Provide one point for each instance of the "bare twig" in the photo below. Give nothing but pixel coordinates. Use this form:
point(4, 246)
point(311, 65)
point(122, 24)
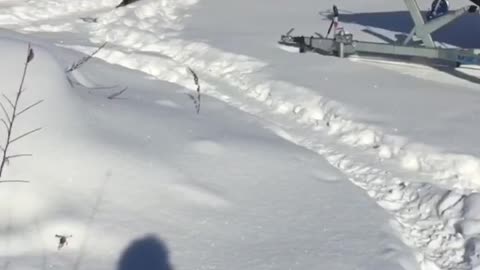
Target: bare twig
point(116, 94)
point(30, 56)
point(16, 156)
point(195, 99)
point(29, 107)
point(85, 59)
point(5, 112)
point(25, 134)
point(4, 123)
point(8, 100)
point(14, 181)
point(12, 116)
point(19, 155)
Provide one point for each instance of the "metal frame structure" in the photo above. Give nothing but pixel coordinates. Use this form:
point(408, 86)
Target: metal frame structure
point(343, 44)
point(423, 30)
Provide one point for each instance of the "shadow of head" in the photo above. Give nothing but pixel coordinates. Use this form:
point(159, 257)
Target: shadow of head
point(147, 253)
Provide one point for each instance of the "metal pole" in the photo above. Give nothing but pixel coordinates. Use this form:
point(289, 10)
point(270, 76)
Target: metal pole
point(341, 51)
point(424, 30)
point(417, 17)
point(440, 22)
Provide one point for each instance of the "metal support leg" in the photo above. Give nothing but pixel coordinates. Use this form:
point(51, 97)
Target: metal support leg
point(419, 23)
point(440, 22)
point(424, 30)
point(409, 37)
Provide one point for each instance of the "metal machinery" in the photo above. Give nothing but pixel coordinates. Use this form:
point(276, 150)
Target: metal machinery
point(342, 43)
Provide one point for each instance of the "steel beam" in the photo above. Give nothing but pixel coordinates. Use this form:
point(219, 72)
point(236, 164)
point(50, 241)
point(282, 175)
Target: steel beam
point(423, 29)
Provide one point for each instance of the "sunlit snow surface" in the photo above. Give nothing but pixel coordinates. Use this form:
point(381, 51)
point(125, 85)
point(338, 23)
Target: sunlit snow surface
point(143, 182)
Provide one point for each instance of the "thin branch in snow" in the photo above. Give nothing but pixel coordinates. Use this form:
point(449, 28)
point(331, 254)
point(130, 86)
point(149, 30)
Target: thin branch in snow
point(195, 99)
point(12, 116)
point(30, 56)
point(4, 123)
point(116, 94)
point(25, 135)
point(85, 59)
point(16, 156)
point(14, 181)
point(8, 100)
point(19, 155)
point(5, 112)
point(29, 107)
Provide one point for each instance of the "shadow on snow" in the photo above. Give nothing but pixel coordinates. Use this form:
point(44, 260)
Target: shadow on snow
point(147, 253)
point(464, 32)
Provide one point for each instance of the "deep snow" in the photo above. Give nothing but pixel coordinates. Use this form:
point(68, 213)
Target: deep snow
point(142, 181)
point(406, 133)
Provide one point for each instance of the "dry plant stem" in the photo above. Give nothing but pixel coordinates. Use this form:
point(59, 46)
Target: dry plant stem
point(196, 100)
point(85, 59)
point(10, 119)
point(117, 94)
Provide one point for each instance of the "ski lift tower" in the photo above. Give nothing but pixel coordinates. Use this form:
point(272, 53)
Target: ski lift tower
point(437, 18)
point(439, 15)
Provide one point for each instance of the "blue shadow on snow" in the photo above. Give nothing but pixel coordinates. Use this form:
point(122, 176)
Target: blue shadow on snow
point(464, 32)
point(147, 253)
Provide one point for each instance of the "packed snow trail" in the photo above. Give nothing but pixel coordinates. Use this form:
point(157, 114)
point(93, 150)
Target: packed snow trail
point(403, 179)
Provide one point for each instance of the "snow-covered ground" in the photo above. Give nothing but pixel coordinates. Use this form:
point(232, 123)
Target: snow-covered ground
point(249, 182)
point(142, 181)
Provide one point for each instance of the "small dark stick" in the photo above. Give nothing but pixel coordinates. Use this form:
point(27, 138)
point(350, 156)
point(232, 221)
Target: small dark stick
point(125, 2)
point(62, 240)
point(116, 94)
point(85, 59)
point(196, 100)
point(30, 54)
